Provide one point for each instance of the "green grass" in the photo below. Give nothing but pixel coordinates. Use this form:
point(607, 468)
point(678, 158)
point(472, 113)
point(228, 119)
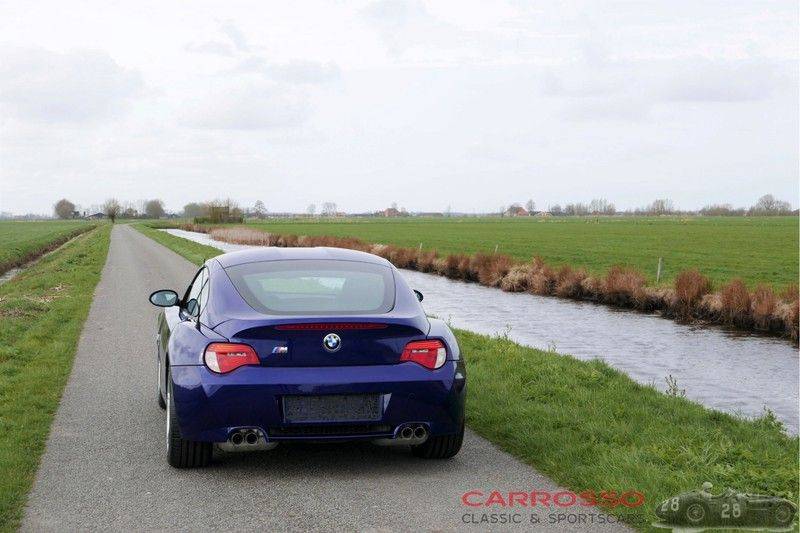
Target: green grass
point(21, 241)
point(42, 312)
point(194, 252)
point(757, 249)
point(590, 427)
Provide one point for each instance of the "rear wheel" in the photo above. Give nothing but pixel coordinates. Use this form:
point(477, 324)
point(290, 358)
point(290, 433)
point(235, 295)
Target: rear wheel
point(784, 514)
point(182, 453)
point(442, 447)
point(696, 513)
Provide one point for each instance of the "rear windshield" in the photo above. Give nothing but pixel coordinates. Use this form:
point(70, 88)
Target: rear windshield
point(314, 287)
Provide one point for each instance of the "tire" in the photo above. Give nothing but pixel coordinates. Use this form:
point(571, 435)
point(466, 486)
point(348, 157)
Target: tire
point(783, 514)
point(696, 513)
point(182, 453)
point(442, 447)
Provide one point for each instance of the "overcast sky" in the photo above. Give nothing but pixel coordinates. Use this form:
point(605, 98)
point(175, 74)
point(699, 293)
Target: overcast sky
point(469, 104)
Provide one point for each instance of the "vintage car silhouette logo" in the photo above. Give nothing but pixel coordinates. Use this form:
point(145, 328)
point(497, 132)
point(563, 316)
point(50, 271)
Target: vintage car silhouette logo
point(701, 509)
point(332, 342)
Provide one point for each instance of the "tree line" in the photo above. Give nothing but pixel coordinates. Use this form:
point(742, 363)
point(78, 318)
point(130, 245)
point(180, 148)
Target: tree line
point(767, 205)
point(229, 211)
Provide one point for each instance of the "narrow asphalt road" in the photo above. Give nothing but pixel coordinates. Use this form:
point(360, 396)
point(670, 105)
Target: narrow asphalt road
point(104, 467)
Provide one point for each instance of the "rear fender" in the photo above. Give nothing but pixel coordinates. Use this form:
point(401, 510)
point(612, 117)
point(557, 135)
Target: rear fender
point(440, 330)
point(187, 343)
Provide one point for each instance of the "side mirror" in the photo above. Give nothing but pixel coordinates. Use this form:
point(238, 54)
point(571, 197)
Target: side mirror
point(164, 298)
point(420, 297)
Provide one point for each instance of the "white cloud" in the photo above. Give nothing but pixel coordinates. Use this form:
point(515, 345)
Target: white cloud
point(76, 86)
point(210, 47)
point(235, 34)
point(245, 104)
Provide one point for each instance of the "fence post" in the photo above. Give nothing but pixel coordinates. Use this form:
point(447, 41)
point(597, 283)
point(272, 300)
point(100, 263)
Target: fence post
point(660, 266)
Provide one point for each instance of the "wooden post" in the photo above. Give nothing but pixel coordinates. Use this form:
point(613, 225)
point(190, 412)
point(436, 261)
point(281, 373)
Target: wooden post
point(660, 266)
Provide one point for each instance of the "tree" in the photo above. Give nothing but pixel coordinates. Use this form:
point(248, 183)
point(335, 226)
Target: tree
point(578, 209)
point(661, 206)
point(222, 211)
point(769, 205)
point(328, 209)
point(64, 208)
point(259, 209)
point(556, 210)
point(530, 205)
point(601, 206)
point(112, 208)
point(194, 209)
point(154, 208)
point(311, 210)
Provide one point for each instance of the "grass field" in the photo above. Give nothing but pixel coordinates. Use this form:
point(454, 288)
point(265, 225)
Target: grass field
point(42, 312)
point(590, 427)
point(21, 241)
point(756, 249)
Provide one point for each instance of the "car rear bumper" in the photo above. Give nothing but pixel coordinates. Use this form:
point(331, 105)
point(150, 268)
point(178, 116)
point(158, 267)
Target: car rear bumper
point(210, 407)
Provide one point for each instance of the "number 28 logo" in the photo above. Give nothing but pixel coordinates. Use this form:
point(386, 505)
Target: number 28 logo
point(730, 510)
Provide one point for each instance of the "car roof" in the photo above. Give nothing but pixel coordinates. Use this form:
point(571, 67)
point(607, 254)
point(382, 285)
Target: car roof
point(273, 253)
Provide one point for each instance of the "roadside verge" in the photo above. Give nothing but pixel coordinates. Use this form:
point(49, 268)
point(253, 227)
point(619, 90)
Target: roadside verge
point(42, 312)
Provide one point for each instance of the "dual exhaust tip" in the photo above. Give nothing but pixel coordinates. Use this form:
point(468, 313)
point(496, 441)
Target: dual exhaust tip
point(412, 434)
point(245, 436)
point(246, 440)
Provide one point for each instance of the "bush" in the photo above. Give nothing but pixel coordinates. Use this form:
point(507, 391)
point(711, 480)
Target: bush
point(490, 269)
point(735, 302)
point(624, 286)
point(763, 304)
point(569, 282)
point(690, 287)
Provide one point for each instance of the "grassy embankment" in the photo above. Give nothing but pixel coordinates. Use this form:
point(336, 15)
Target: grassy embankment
point(590, 427)
point(194, 252)
point(42, 312)
point(22, 241)
point(756, 249)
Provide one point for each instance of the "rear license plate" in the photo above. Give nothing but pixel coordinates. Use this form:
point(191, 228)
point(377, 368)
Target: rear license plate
point(332, 408)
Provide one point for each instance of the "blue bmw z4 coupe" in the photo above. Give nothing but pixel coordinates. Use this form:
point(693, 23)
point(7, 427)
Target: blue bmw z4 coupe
point(304, 344)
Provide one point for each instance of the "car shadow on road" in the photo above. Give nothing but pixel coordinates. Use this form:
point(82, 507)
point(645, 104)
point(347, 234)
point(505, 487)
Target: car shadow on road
point(331, 460)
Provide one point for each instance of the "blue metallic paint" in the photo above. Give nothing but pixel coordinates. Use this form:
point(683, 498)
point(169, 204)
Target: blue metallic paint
point(210, 406)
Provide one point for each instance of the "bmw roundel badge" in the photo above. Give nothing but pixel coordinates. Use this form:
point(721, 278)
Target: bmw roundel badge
point(332, 342)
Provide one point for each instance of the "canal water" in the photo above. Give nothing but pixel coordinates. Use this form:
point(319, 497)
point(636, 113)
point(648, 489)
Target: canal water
point(726, 370)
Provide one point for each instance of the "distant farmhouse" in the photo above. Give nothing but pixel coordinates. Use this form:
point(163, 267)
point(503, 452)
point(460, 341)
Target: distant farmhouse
point(95, 216)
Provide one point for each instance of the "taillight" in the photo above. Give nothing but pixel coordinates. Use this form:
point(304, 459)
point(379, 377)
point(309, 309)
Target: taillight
point(430, 354)
point(222, 357)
